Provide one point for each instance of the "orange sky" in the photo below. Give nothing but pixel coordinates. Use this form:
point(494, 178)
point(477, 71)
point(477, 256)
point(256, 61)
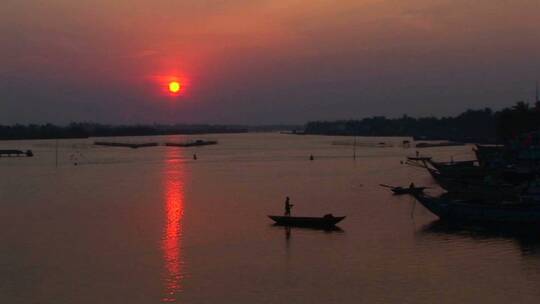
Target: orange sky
point(240, 59)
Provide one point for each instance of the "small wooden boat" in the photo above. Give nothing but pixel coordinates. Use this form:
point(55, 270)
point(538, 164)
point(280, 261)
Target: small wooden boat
point(404, 190)
point(325, 221)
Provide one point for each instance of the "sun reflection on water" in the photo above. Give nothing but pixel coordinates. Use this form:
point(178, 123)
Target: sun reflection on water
point(172, 233)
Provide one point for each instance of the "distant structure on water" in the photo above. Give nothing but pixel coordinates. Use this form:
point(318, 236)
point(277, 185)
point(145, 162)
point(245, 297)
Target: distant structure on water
point(16, 153)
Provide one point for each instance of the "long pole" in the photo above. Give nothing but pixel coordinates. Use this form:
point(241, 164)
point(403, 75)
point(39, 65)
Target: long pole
point(56, 154)
point(354, 147)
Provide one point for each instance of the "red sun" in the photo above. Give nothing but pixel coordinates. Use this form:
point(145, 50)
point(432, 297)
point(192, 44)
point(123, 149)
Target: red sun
point(174, 87)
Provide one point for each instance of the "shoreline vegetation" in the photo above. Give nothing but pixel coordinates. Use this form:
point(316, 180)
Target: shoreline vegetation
point(472, 126)
point(86, 130)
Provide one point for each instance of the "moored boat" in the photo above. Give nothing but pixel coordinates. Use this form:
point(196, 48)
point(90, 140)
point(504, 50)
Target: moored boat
point(480, 188)
point(439, 144)
point(302, 221)
point(512, 212)
point(453, 164)
point(459, 171)
point(490, 155)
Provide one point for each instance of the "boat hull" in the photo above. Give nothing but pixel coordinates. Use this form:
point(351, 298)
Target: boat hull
point(477, 188)
point(474, 211)
point(401, 190)
point(325, 221)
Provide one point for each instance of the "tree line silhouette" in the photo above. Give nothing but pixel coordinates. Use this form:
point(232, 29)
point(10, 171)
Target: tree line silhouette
point(481, 126)
point(84, 130)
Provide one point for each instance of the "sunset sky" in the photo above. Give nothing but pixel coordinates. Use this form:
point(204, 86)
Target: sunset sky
point(262, 61)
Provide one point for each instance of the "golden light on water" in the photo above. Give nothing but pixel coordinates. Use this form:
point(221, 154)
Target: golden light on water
point(172, 233)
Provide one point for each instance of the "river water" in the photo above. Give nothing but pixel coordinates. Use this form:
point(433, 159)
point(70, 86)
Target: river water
point(153, 225)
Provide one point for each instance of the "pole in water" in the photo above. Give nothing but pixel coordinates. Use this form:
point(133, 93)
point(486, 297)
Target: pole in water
point(354, 148)
point(56, 154)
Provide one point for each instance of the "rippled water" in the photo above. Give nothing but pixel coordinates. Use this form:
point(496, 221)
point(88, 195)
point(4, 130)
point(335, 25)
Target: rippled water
point(152, 225)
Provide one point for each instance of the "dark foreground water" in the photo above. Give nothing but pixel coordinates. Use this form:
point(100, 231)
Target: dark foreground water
point(153, 225)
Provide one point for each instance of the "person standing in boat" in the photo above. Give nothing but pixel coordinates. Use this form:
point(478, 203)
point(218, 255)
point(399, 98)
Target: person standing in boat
point(288, 206)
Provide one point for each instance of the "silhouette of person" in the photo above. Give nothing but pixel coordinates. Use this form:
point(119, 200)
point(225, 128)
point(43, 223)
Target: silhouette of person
point(411, 185)
point(194, 156)
point(311, 157)
point(288, 206)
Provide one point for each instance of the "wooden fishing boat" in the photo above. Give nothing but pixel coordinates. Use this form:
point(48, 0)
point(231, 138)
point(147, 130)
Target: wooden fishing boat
point(459, 170)
point(453, 164)
point(490, 155)
point(512, 212)
point(467, 170)
point(482, 188)
point(325, 221)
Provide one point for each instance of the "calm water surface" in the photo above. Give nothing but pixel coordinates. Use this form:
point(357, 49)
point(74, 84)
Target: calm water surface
point(153, 225)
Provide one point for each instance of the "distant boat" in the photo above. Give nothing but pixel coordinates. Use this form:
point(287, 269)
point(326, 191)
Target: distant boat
point(404, 190)
point(439, 144)
point(127, 145)
point(489, 155)
point(452, 164)
point(17, 153)
point(419, 158)
point(363, 144)
point(459, 169)
point(195, 143)
point(318, 222)
point(463, 210)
